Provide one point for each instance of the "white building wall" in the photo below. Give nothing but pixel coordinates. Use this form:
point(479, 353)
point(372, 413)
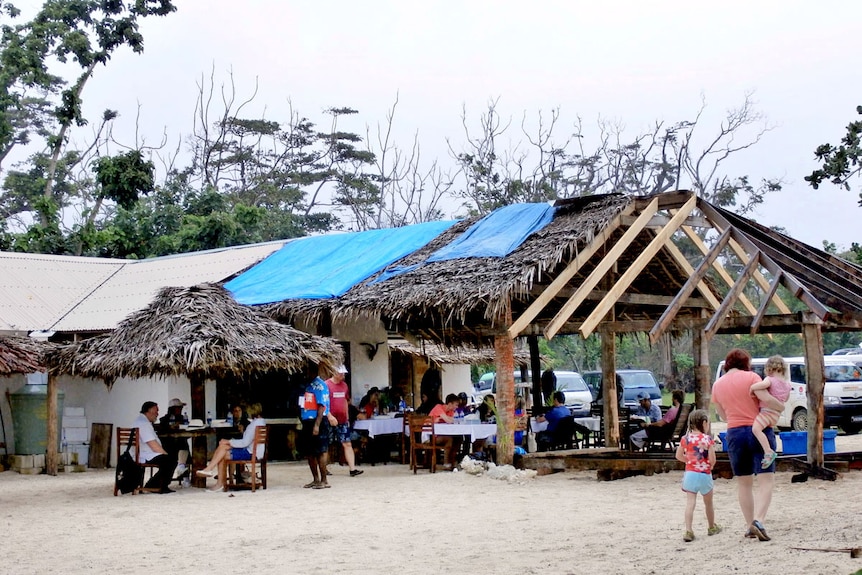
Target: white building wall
point(365, 373)
point(456, 378)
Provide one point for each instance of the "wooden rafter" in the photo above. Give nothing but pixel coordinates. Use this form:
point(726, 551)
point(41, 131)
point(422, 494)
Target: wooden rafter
point(567, 274)
point(776, 281)
point(695, 279)
point(798, 290)
point(731, 297)
point(759, 278)
point(625, 280)
point(686, 267)
point(601, 269)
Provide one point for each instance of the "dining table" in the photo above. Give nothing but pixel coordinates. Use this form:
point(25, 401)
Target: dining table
point(200, 445)
point(380, 425)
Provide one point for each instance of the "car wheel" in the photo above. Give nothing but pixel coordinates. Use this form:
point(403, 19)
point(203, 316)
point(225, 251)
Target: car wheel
point(800, 420)
point(851, 428)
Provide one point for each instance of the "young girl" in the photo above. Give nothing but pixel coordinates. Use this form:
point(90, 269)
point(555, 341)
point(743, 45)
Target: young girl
point(697, 450)
point(775, 383)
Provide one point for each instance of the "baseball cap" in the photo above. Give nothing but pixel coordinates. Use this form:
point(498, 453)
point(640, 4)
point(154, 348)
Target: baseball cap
point(175, 402)
point(643, 395)
point(341, 369)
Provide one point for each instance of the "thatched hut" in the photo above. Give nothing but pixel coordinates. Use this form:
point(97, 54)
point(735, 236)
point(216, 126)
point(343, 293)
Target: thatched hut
point(199, 332)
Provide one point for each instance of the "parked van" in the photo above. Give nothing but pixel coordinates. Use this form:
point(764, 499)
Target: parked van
point(842, 393)
point(573, 386)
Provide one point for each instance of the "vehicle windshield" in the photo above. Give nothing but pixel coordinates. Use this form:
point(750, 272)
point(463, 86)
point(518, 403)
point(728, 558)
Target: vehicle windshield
point(572, 384)
point(842, 373)
point(639, 379)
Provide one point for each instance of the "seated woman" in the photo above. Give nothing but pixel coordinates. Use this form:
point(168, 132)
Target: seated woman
point(234, 449)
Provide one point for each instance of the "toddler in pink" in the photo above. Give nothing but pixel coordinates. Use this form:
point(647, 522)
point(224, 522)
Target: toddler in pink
point(775, 383)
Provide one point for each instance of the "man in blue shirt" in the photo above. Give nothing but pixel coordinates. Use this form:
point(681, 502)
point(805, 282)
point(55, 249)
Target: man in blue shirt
point(314, 436)
point(553, 417)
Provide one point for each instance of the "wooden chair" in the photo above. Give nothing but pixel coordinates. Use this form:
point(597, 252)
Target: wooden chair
point(261, 437)
point(127, 436)
point(669, 435)
point(423, 439)
point(405, 439)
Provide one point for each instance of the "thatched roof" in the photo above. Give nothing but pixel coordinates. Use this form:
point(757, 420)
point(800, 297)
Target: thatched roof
point(20, 355)
point(438, 355)
point(198, 331)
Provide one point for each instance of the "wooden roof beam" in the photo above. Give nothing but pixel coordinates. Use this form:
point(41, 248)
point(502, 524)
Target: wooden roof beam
point(567, 274)
point(683, 263)
point(629, 276)
point(776, 281)
point(731, 297)
point(693, 282)
point(760, 279)
point(798, 290)
point(601, 269)
point(719, 269)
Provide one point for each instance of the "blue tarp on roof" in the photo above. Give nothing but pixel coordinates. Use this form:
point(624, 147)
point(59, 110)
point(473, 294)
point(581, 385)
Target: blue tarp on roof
point(498, 234)
point(327, 266)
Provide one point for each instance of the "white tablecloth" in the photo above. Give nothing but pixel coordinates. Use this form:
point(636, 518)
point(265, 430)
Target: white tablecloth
point(474, 430)
point(591, 423)
point(381, 426)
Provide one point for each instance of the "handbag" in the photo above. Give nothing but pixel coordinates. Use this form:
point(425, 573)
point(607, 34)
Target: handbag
point(130, 475)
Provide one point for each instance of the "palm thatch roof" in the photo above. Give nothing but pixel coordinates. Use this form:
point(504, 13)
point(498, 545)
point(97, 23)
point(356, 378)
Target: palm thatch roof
point(438, 355)
point(20, 355)
point(197, 331)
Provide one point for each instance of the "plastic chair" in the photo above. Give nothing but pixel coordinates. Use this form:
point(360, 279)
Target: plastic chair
point(261, 437)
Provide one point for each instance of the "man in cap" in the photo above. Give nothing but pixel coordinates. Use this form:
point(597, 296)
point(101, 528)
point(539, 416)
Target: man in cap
point(339, 401)
point(177, 447)
point(648, 412)
point(651, 429)
point(152, 450)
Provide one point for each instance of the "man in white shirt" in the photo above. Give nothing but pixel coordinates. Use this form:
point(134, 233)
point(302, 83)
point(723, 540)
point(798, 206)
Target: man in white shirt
point(152, 450)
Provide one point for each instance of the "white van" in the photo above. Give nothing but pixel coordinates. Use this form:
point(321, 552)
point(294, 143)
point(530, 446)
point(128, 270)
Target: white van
point(842, 393)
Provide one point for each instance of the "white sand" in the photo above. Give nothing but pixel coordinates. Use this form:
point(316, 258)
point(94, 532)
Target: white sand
point(390, 521)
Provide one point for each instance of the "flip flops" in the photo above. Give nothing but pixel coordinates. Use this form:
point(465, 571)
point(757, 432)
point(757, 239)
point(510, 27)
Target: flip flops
point(768, 460)
point(322, 486)
point(309, 485)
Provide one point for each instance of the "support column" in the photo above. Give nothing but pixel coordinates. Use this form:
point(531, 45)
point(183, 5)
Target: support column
point(813, 340)
point(702, 377)
point(609, 389)
point(504, 361)
point(536, 370)
point(53, 425)
point(199, 442)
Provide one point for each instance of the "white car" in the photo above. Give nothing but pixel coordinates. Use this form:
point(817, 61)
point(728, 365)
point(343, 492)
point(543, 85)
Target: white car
point(573, 386)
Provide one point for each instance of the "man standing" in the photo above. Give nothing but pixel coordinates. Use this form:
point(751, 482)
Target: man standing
point(152, 450)
point(339, 399)
point(316, 428)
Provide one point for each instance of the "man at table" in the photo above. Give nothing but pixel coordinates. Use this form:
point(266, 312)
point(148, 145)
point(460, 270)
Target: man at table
point(315, 428)
point(553, 417)
point(177, 447)
point(152, 450)
point(445, 413)
point(651, 429)
point(339, 400)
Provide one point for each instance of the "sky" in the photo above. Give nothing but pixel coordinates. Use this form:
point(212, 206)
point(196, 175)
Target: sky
point(630, 62)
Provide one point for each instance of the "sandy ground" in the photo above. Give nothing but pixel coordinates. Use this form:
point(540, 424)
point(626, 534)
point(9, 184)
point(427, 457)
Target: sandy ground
point(391, 521)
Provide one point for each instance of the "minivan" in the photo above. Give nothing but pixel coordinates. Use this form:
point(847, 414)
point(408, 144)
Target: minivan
point(634, 382)
point(842, 393)
point(573, 386)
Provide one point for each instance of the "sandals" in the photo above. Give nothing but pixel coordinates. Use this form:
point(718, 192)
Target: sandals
point(688, 537)
point(714, 530)
point(205, 473)
point(309, 485)
point(322, 486)
point(768, 460)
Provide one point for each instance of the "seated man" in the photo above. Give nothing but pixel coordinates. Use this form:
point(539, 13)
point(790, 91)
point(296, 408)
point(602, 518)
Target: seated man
point(445, 413)
point(176, 447)
point(152, 450)
point(553, 417)
point(646, 409)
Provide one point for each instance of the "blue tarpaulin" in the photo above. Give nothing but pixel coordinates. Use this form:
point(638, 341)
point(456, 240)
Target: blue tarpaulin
point(498, 234)
point(327, 266)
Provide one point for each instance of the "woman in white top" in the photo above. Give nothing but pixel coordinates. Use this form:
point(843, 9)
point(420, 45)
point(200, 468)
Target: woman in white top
point(234, 449)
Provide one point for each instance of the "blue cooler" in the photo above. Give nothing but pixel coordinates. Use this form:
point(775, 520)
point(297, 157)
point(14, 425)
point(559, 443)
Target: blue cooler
point(796, 442)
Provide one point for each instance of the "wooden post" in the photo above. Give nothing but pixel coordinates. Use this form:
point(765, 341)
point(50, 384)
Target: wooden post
point(53, 425)
point(609, 389)
point(702, 377)
point(536, 369)
point(814, 368)
point(199, 442)
point(505, 364)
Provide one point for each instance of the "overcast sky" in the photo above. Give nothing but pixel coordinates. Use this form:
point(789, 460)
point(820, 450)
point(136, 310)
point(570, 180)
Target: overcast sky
point(633, 62)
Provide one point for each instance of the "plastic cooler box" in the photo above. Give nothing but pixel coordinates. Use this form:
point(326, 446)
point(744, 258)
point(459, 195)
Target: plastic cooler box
point(794, 442)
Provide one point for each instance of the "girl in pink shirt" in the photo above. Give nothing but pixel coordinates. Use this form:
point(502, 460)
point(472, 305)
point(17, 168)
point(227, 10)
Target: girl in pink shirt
point(775, 383)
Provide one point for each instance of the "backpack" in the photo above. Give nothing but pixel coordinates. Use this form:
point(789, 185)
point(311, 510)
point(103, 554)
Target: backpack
point(130, 475)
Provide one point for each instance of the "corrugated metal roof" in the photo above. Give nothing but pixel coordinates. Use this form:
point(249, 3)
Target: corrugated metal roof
point(72, 294)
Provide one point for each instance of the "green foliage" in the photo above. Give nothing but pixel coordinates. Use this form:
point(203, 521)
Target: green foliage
point(125, 177)
point(841, 162)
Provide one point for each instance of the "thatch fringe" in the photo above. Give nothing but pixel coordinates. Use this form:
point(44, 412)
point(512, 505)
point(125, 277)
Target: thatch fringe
point(21, 355)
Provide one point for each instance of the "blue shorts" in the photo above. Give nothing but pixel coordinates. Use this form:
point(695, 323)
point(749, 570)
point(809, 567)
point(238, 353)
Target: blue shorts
point(745, 452)
point(696, 482)
point(341, 433)
point(239, 453)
